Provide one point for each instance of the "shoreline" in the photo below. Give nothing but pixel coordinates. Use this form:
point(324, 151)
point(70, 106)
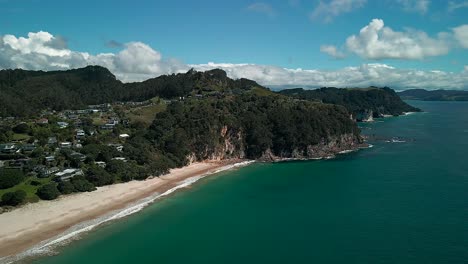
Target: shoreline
point(35, 228)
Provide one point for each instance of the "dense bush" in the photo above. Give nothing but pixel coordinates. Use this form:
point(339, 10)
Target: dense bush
point(48, 192)
point(13, 198)
point(21, 128)
point(10, 178)
point(80, 184)
point(98, 176)
point(66, 187)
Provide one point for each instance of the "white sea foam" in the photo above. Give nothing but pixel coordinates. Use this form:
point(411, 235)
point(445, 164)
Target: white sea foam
point(47, 247)
point(346, 151)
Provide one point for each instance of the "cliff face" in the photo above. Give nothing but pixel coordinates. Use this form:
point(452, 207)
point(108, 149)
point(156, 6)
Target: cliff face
point(327, 148)
point(232, 146)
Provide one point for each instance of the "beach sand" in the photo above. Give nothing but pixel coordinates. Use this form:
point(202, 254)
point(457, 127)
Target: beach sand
point(31, 224)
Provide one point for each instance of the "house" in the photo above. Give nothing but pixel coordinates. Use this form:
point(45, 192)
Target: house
point(28, 148)
point(80, 133)
point(62, 124)
point(50, 158)
point(107, 127)
point(124, 136)
point(18, 164)
point(65, 145)
point(118, 147)
point(44, 172)
point(78, 156)
point(67, 174)
point(8, 148)
point(42, 121)
point(120, 158)
point(101, 164)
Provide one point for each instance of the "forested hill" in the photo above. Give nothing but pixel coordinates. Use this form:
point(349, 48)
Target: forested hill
point(436, 95)
point(364, 104)
point(24, 93)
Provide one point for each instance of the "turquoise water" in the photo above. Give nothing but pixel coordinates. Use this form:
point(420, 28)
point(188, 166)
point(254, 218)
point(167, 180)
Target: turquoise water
point(394, 203)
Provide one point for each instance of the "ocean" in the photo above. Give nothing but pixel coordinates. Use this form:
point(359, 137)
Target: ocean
point(405, 200)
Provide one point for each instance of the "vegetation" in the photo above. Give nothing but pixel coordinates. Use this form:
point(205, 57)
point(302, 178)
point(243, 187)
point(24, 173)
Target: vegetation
point(372, 101)
point(48, 192)
point(436, 95)
point(13, 198)
point(25, 93)
point(10, 178)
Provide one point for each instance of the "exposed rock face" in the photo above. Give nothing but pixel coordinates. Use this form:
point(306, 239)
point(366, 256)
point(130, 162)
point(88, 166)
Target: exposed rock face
point(325, 149)
point(231, 146)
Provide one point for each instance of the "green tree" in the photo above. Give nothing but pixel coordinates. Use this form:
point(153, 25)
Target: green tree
point(98, 176)
point(82, 185)
point(21, 128)
point(48, 192)
point(66, 187)
point(13, 198)
point(10, 178)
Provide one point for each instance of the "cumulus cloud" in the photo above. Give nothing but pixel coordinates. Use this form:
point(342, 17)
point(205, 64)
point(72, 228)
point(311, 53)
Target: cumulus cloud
point(362, 76)
point(332, 51)
point(461, 35)
point(417, 6)
point(327, 10)
point(137, 61)
point(376, 41)
point(262, 8)
point(43, 51)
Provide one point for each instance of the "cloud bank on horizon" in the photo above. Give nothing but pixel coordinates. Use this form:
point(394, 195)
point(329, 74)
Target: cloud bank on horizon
point(137, 61)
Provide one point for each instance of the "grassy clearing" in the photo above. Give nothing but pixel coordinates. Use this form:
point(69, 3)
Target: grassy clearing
point(28, 188)
point(145, 114)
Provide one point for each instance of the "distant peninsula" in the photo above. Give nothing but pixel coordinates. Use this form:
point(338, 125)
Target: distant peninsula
point(434, 95)
point(364, 104)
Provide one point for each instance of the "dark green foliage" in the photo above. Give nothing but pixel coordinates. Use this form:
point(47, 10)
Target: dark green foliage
point(10, 178)
point(48, 192)
point(126, 171)
point(25, 93)
point(436, 95)
point(66, 187)
point(98, 176)
point(381, 101)
point(251, 123)
point(80, 184)
point(21, 128)
point(35, 183)
point(13, 198)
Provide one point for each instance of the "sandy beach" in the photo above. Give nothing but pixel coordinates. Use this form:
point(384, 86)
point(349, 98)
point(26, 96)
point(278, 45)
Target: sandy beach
point(33, 223)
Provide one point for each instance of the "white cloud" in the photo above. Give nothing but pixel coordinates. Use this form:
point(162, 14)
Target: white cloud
point(138, 61)
point(461, 35)
point(332, 51)
point(262, 8)
point(418, 6)
point(375, 41)
point(43, 51)
point(452, 6)
point(362, 76)
point(327, 10)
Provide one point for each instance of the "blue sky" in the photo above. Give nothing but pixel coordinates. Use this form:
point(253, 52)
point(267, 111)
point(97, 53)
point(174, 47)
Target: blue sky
point(278, 33)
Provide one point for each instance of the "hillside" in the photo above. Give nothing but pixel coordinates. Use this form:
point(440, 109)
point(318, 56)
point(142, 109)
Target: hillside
point(25, 93)
point(436, 95)
point(363, 104)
